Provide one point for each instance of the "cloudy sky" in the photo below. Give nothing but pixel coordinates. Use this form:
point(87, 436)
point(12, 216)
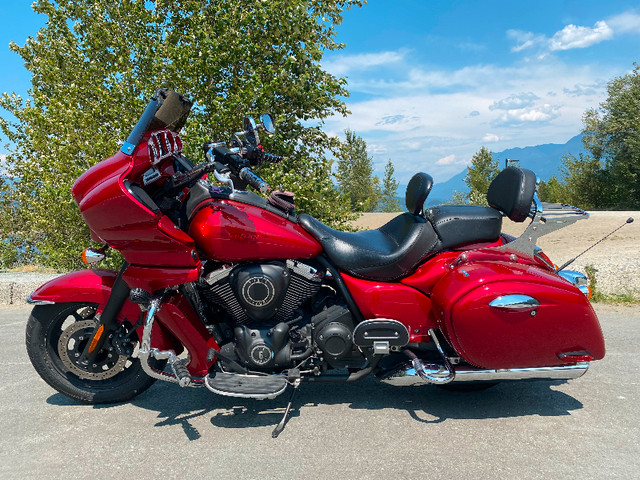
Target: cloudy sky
point(432, 81)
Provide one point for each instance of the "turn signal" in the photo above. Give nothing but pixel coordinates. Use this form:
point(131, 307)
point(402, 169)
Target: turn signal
point(91, 256)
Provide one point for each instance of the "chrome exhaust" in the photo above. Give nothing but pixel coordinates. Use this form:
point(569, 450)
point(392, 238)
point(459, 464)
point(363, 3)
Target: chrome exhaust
point(408, 375)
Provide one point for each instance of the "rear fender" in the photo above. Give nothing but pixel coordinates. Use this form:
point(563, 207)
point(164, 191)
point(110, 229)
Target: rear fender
point(94, 286)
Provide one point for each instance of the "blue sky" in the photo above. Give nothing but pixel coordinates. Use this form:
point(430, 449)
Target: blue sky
point(432, 81)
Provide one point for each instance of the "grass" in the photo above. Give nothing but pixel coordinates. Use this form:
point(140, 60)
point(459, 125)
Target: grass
point(625, 298)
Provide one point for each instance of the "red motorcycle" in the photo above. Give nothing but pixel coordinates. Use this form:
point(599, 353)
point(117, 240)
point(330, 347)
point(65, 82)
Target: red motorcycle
point(226, 289)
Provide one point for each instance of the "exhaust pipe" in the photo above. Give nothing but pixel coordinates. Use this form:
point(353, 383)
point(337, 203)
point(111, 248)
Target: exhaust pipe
point(408, 375)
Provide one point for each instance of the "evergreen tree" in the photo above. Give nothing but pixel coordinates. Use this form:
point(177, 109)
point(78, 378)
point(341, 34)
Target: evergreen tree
point(389, 201)
point(355, 174)
point(482, 170)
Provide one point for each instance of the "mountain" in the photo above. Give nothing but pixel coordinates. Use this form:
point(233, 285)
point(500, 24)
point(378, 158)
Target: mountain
point(544, 160)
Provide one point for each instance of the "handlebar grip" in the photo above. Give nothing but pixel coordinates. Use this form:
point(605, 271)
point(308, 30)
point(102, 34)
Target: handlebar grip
point(271, 158)
point(254, 180)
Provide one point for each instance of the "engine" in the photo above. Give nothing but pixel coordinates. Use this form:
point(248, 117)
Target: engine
point(260, 292)
point(269, 330)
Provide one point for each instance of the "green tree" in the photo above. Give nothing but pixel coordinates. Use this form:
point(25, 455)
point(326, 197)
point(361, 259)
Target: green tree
point(389, 201)
point(94, 66)
point(355, 174)
point(552, 191)
point(583, 181)
point(480, 173)
point(612, 136)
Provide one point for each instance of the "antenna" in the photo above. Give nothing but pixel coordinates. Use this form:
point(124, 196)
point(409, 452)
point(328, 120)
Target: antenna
point(629, 220)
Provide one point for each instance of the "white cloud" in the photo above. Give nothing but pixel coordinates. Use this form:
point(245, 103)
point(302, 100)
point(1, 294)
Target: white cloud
point(525, 40)
point(490, 137)
point(448, 160)
point(515, 101)
point(628, 22)
point(580, 89)
point(537, 114)
point(343, 64)
point(573, 36)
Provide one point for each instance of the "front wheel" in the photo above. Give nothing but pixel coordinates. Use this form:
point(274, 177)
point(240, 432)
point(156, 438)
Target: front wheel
point(56, 337)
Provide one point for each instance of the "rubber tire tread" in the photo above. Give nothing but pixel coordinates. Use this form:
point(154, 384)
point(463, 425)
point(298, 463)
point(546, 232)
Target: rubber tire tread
point(40, 318)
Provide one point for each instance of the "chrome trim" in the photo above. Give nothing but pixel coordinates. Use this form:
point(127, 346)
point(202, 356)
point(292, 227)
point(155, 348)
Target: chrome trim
point(93, 256)
point(564, 372)
point(577, 278)
point(585, 290)
point(548, 217)
point(146, 352)
point(515, 302)
point(224, 179)
point(407, 376)
point(39, 302)
point(225, 393)
point(417, 373)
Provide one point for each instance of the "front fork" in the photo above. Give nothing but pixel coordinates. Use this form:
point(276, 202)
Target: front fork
point(193, 336)
point(108, 323)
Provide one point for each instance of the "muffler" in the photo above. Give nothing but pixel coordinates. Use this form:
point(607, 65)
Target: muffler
point(408, 375)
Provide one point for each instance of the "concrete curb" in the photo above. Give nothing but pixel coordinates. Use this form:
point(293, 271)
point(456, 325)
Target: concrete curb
point(15, 288)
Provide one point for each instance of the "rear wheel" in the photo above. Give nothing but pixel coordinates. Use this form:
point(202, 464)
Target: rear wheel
point(56, 337)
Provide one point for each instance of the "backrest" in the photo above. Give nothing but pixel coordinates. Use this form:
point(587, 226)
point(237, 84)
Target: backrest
point(417, 192)
point(511, 192)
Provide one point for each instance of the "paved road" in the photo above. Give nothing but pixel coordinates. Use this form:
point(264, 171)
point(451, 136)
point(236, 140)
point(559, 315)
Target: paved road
point(586, 429)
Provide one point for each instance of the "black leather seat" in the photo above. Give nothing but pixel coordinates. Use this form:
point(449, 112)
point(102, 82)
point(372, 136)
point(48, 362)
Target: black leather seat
point(460, 225)
point(389, 252)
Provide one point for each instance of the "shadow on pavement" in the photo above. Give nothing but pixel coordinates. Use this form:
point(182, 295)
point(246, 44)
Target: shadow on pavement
point(426, 404)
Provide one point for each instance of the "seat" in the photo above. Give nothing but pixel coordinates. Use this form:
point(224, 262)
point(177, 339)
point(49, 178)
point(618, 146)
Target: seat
point(389, 252)
point(512, 191)
point(460, 225)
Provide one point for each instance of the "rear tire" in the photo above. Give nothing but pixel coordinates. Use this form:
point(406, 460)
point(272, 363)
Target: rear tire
point(45, 328)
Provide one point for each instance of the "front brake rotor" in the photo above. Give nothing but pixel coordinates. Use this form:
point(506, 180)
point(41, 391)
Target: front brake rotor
point(71, 345)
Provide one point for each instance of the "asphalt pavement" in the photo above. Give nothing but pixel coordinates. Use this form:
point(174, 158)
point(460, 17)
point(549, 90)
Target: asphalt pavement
point(586, 428)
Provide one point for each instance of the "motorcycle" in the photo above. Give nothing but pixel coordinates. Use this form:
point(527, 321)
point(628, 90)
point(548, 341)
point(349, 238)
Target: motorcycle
point(227, 289)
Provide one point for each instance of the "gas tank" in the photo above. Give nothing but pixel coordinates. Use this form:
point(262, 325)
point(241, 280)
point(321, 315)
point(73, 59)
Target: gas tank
point(230, 231)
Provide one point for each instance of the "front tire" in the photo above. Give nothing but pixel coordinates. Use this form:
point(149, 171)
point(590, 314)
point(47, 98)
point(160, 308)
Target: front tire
point(54, 337)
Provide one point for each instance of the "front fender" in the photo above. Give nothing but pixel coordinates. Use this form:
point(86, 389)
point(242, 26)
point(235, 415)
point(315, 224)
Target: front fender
point(94, 286)
point(82, 286)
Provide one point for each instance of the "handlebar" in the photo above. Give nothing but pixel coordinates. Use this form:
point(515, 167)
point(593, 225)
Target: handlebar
point(254, 180)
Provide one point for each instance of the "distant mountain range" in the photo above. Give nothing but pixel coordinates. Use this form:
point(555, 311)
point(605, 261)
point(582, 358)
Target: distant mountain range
point(544, 160)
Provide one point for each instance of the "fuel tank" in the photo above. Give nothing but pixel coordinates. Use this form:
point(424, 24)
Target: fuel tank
point(231, 231)
point(504, 315)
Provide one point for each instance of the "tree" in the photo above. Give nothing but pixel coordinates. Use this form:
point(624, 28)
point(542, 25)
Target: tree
point(389, 201)
point(355, 174)
point(94, 66)
point(612, 136)
point(583, 181)
point(552, 191)
point(480, 173)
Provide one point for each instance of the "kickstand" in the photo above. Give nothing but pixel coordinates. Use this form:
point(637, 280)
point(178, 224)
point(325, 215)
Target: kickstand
point(285, 418)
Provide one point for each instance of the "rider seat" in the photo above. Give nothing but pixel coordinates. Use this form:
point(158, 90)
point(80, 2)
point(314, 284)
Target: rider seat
point(389, 252)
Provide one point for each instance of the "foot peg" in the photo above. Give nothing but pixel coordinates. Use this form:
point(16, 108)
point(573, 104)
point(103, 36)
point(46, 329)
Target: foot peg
point(181, 372)
point(246, 386)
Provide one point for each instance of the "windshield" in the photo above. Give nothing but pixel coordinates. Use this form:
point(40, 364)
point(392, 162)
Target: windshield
point(167, 109)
